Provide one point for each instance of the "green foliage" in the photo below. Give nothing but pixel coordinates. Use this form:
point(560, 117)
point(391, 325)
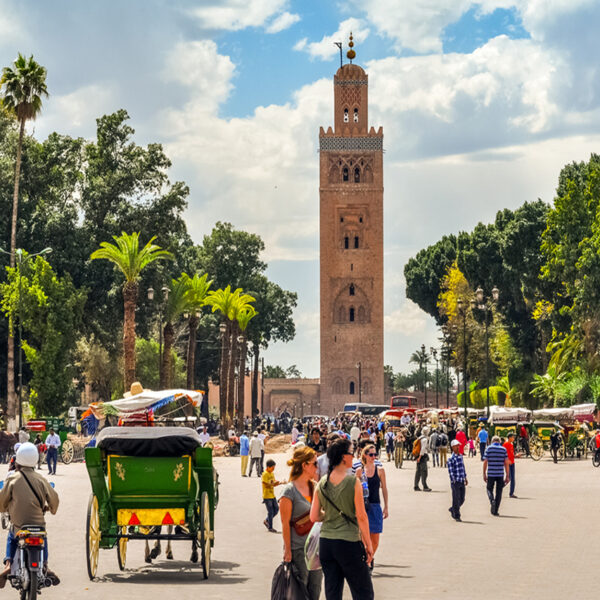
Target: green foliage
point(277, 372)
point(147, 355)
point(478, 397)
point(50, 309)
point(22, 88)
point(97, 367)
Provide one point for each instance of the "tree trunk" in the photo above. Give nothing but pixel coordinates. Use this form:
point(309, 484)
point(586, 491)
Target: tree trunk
point(11, 408)
point(223, 378)
point(231, 375)
point(254, 409)
point(167, 364)
point(191, 353)
point(130, 291)
point(241, 400)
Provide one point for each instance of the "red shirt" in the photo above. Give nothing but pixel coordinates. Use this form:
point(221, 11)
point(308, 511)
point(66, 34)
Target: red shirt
point(510, 450)
point(462, 438)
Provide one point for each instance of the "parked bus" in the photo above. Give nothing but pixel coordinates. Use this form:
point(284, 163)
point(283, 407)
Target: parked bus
point(404, 402)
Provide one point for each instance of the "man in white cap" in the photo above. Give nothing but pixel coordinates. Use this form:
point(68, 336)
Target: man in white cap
point(458, 479)
point(26, 497)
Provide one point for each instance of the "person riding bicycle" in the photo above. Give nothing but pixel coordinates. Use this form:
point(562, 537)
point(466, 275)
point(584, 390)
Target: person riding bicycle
point(26, 497)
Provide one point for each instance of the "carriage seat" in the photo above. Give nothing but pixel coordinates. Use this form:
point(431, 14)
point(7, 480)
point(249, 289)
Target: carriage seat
point(148, 441)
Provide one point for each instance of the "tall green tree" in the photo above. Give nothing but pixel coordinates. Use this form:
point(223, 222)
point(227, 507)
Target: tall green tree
point(130, 259)
point(22, 87)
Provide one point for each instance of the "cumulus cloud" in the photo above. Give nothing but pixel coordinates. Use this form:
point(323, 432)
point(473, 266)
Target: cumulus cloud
point(283, 21)
point(326, 49)
point(199, 66)
point(408, 320)
point(233, 15)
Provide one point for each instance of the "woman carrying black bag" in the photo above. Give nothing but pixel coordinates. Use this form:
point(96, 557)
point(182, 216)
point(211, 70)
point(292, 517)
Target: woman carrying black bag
point(339, 504)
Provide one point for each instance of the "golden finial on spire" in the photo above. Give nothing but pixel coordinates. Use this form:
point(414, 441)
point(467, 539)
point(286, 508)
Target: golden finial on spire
point(351, 54)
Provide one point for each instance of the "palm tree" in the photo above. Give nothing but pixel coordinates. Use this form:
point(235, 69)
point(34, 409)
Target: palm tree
point(127, 256)
point(243, 318)
point(175, 307)
point(229, 304)
point(22, 89)
point(196, 299)
point(420, 357)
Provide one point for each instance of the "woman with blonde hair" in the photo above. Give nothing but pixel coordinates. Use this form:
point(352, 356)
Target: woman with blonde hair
point(374, 475)
point(294, 507)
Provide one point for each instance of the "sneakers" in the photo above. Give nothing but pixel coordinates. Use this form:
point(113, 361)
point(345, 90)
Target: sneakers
point(266, 524)
point(427, 489)
point(493, 507)
point(272, 530)
point(513, 496)
point(417, 489)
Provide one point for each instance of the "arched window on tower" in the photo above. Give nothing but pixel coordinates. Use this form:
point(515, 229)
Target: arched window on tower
point(351, 319)
point(351, 390)
point(356, 244)
point(351, 290)
point(356, 115)
point(346, 243)
point(345, 175)
point(356, 175)
point(346, 115)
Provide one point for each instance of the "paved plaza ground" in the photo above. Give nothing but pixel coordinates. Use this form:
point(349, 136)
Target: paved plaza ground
point(541, 547)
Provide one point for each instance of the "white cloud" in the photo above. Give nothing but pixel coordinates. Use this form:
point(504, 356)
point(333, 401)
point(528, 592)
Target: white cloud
point(11, 28)
point(199, 66)
point(325, 49)
point(233, 15)
point(283, 21)
point(407, 320)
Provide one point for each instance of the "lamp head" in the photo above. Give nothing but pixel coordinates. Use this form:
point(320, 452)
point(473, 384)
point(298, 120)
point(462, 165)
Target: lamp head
point(150, 293)
point(479, 295)
point(495, 294)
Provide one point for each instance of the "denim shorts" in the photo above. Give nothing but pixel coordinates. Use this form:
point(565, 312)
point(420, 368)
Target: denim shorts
point(375, 515)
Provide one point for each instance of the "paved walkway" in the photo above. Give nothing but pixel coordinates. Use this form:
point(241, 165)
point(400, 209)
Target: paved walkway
point(541, 547)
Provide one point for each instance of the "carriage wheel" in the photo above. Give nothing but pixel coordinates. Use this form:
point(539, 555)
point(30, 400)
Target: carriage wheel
point(204, 534)
point(92, 537)
point(536, 449)
point(67, 452)
point(122, 549)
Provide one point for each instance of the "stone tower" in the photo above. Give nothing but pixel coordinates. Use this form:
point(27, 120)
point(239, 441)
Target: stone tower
point(351, 247)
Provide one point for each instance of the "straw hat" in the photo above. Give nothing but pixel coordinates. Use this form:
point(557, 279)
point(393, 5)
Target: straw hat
point(136, 388)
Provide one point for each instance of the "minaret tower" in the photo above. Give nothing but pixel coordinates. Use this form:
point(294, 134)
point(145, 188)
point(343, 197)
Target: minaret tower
point(351, 247)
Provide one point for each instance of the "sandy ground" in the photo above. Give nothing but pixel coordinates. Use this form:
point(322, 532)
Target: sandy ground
point(541, 547)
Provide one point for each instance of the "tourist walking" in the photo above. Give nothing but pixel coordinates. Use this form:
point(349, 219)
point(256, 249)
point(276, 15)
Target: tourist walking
point(339, 503)
point(482, 438)
point(375, 477)
point(495, 473)
point(268, 493)
point(555, 441)
point(256, 453)
point(52, 446)
point(244, 452)
point(443, 448)
point(434, 448)
point(458, 479)
point(421, 453)
point(294, 505)
point(510, 451)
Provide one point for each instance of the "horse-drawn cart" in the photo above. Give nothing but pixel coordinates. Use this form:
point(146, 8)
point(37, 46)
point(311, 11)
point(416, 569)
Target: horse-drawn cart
point(143, 480)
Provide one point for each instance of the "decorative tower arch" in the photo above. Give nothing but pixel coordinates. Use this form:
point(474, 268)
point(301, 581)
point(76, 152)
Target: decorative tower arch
point(351, 245)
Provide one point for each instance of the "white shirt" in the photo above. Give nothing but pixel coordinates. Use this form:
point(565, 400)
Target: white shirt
point(295, 433)
point(424, 445)
point(53, 441)
point(256, 447)
point(231, 433)
point(405, 419)
point(354, 433)
point(322, 465)
point(204, 437)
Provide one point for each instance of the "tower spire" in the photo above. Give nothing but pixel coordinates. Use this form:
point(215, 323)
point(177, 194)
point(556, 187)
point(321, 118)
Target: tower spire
point(351, 54)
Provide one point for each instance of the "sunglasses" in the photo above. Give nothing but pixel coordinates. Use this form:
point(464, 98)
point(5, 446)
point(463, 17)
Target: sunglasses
point(312, 464)
point(371, 454)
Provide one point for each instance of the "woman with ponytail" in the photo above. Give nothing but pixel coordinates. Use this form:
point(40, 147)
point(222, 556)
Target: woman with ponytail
point(294, 506)
point(345, 547)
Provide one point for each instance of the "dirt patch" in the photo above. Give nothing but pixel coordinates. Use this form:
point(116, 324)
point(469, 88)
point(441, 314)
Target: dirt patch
point(278, 443)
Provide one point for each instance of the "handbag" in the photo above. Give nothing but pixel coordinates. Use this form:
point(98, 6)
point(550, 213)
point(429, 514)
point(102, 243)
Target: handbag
point(302, 525)
point(286, 584)
point(311, 547)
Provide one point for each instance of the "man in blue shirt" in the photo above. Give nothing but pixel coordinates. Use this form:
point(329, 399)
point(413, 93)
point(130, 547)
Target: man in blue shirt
point(495, 472)
point(458, 479)
point(482, 438)
point(244, 452)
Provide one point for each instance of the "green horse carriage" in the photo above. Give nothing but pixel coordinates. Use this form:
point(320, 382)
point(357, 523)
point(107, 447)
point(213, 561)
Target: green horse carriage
point(146, 478)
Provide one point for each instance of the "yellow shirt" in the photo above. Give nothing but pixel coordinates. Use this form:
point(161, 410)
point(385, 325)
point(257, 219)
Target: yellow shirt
point(268, 479)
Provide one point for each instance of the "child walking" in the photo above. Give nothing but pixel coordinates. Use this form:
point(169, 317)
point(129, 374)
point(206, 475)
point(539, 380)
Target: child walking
point(268, 492)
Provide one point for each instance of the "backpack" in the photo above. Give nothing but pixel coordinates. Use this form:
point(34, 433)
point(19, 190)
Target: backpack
point(416, 449)
point(438, 441)
point(443, 439)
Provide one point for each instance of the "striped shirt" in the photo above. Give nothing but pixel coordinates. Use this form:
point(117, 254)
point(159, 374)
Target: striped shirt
point(357, 464)
point(456, 469)
point(495, 455)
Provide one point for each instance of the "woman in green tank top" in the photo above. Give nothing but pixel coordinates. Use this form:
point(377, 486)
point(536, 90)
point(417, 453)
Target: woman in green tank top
point(339, 503)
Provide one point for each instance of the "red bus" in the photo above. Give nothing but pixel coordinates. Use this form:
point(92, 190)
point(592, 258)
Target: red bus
point(409, 403)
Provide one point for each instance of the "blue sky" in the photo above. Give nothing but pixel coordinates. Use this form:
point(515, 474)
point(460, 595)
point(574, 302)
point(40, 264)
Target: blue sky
point(481, 104)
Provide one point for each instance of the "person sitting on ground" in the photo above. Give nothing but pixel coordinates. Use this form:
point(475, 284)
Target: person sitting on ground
point(26, 497)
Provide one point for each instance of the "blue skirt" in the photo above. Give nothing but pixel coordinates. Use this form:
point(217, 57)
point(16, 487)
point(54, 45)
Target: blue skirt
point(375, 515)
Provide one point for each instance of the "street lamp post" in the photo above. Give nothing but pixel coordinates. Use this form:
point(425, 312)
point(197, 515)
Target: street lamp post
point(423, 357)
point(484, 304)
point(437, 373)
point(463, 312)
point(19, 252)
point(359, 367)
